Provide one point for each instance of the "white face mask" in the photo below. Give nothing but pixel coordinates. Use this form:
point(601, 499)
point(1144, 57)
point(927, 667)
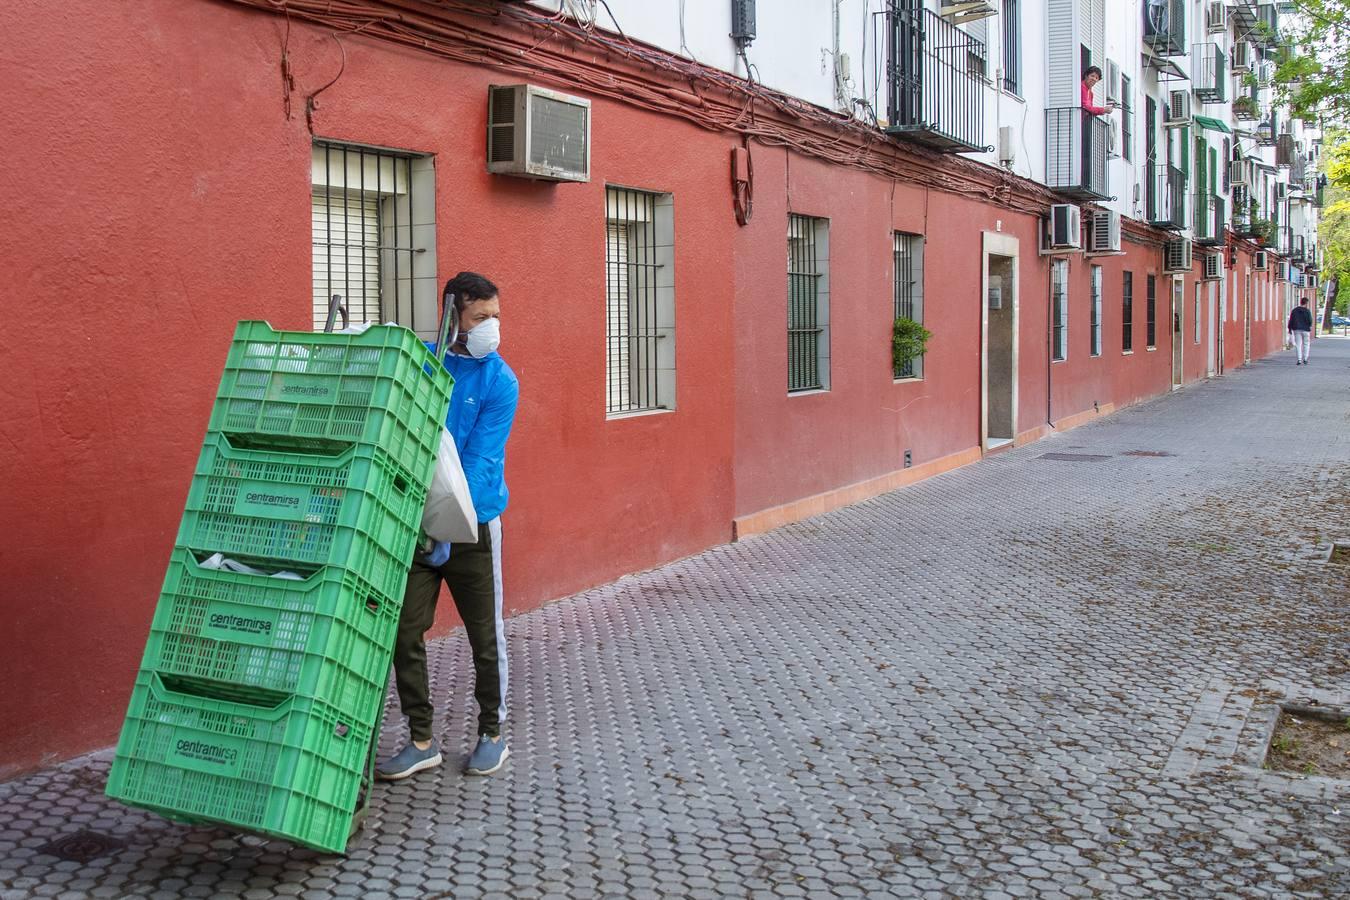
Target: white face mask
point(485, 337)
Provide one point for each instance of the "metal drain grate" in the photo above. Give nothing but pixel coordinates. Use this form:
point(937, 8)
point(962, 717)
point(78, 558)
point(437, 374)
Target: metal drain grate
point(82, 846)
point(1074, 457)
point(1147, 453)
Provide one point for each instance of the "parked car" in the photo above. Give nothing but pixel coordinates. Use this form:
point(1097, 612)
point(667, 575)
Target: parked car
point(1339, 321)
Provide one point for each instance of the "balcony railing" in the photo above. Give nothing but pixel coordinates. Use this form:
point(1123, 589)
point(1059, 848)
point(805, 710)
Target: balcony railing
point(1284, 150)
point(1166, 190)
point(1165, 27)
point(1297, 248)
point(1246, 109)
point(936, 76)
point(1076, 145)
point(1211, 215)
point(1209, 72)
point(1284, 240)
point(1266, 31)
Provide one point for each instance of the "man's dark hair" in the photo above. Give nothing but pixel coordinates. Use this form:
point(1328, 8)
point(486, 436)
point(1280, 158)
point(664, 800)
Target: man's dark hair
point(1092, 70)
point(469, 287)
point(1303, 302)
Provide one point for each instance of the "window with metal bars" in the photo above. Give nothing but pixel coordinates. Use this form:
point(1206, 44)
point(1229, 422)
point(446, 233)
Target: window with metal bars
point(908, 257)
point(808, 303)
point(374, 235)
point(1127, 312)
point(1095, 331)
point(1151, 312)
point(1196, 317)
point(1059, 325)
point(639, 301)
point(1012, 47)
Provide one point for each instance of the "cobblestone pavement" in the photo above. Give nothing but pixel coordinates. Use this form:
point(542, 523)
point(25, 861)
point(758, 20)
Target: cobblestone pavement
point(1032, 676)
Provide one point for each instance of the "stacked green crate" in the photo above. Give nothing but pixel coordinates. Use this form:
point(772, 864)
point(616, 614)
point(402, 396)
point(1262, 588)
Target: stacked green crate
point(259, 693)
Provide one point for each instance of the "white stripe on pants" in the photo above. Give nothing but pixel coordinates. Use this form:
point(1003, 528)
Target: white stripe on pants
point(1302, 343)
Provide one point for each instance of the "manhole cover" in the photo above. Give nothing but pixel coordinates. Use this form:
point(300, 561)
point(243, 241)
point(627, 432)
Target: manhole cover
point(1148, 453)
point(1074, 457)
point(82, 846)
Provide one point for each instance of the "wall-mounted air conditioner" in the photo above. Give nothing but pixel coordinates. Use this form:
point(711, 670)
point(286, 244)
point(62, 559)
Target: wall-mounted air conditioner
point(1112, 82)
point(1213, 267)
point(1260, 260)
point(1177, 256)
point(1065, 227)
point(537, 133)
point(1281, 190)
point(1237, 172)
point(1282, 271)
point(1103, 231)
point(1007, 145)
point(1178, 114)
point(1216, 17)
point(1242, 57)
point(1310, 280)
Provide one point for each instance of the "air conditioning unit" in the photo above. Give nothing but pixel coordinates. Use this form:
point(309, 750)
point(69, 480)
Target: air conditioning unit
point(1281, 190)
point(1112, 139)
point(1237, 172)
point(1178, 109)
point(1104, 231)
point(1007, 145)
point(1065, 227)
point(1282, 271)
point(1177, 256)
point(1261, 261)
point(1213, 267)
point(1112, 82)
point(1216, 17)
point(1310, 280)
point(1242, 57)
point(537, 133)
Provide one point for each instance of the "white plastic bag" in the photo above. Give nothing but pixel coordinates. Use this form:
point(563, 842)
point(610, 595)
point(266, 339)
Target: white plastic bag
point(450, 515)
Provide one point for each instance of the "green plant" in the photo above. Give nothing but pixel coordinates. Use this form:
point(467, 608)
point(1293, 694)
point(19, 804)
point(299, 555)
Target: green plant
point(909, 339)
point(1283, 744)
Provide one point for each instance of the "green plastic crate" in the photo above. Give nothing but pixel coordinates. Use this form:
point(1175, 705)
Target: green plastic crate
point(256, 639)
point(382, 387)
point(357, 510)
point(293, 771)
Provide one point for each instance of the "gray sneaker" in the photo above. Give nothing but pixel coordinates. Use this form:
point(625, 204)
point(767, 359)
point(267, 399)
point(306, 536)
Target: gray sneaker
point(408, 761)
point(488, 756)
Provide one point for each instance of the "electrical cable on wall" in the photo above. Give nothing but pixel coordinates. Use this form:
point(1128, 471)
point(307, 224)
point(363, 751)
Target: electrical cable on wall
point(620, 69)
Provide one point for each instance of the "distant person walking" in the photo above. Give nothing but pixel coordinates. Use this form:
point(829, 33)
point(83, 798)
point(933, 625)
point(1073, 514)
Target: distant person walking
point(1300, 331)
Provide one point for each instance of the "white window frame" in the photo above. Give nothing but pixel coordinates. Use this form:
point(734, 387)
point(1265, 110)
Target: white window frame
point(1096, 310)
point(1059, 289)
point(908, 292)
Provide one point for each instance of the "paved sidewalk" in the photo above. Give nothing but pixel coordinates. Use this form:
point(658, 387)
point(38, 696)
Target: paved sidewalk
point(1032, 676)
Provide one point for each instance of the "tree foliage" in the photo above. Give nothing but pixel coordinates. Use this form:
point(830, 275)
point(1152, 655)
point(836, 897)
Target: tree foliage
point(1312, 72)
point(1334, 226)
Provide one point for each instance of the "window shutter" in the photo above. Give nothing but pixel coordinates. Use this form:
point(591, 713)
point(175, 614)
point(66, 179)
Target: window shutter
point(618, 376)
point(346, 254)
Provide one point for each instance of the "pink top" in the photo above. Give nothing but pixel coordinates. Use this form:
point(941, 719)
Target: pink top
point(1087, 101)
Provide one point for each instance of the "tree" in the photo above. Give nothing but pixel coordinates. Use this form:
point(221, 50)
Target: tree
point(1334, 226)
point(1313, 77)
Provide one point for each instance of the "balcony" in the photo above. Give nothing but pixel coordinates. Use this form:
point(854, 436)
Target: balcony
point(1297, 249)
point(1265, 32)
point(1165, 27)
point(1166, 197)
point(1245, 108)
point(1211, 215)
point(936, 76)
point(1076, 146)
point(1209, 72)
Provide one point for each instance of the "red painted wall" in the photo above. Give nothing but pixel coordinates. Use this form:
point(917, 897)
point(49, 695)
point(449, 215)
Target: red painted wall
point(159, 194)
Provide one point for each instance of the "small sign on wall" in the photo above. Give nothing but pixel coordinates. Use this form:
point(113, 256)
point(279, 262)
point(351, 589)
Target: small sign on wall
point(995, 291)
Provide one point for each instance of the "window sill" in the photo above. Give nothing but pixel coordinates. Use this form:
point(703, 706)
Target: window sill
point(908, 379)
point(636, 414)
point(811, 392)
point(1127, 353)
point(1012, 96)
point(1059, 360)
point(1149, 349)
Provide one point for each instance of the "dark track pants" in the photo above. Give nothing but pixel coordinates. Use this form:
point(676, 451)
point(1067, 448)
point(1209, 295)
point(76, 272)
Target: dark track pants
point(474, 575)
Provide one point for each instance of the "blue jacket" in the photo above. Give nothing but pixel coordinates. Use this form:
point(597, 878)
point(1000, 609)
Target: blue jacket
point(482, 408)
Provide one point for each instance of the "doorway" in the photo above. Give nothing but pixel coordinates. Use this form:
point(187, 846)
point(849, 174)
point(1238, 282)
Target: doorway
point(1178, 330)
point(1247, 321)
point(998, 342)
point(1212, 318)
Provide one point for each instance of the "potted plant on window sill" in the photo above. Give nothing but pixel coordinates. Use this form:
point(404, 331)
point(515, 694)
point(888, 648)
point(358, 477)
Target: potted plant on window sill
point(909, 339)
